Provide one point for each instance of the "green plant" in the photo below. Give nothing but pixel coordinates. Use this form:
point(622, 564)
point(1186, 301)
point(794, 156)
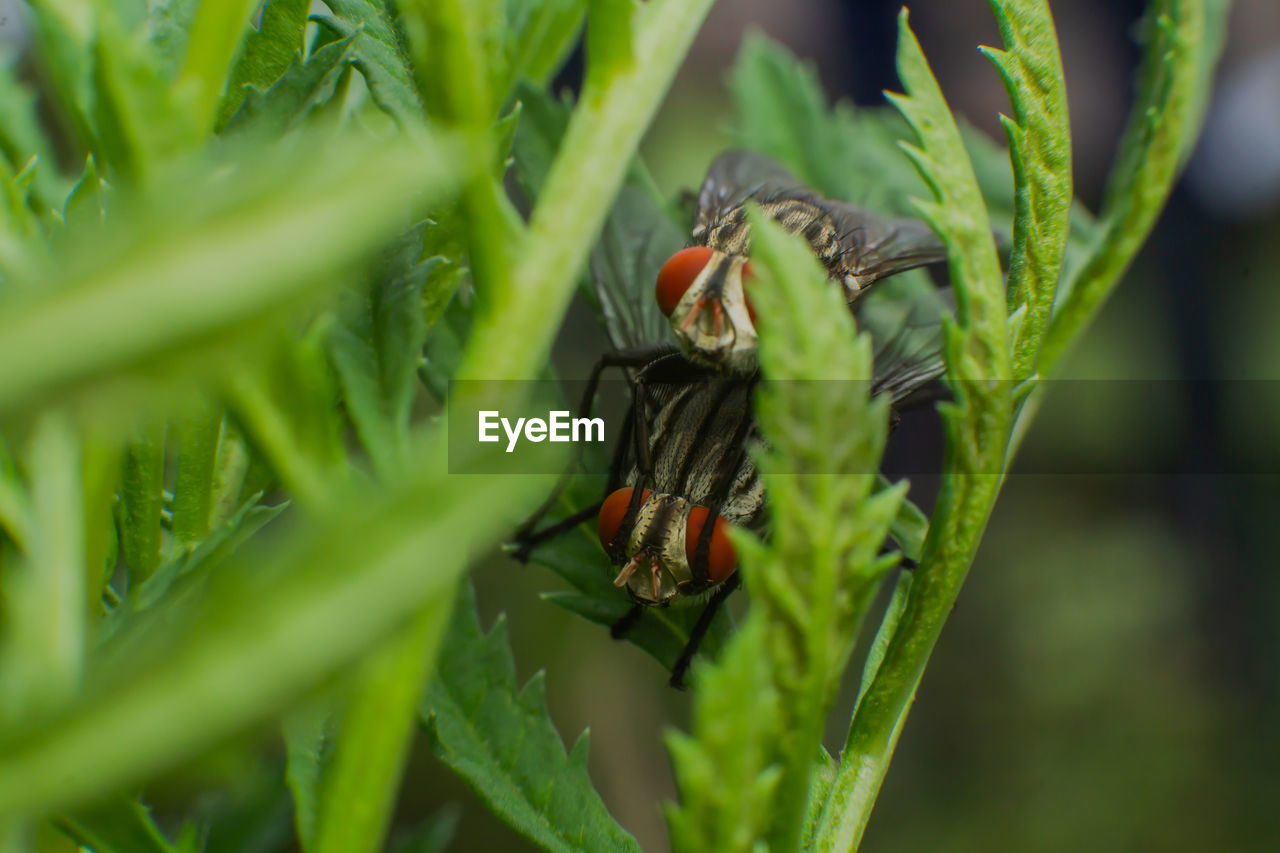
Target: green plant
point(221, 504)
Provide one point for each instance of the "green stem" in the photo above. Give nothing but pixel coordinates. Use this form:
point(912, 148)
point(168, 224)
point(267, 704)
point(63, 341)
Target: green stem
point(960, 518)
point(193, 494)
point(603, 133)
point(141, 500)
point(378, 721)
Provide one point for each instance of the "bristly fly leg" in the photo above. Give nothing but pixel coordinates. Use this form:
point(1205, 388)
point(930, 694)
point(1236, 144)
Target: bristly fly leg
point(700, 631)
point(619, 629)
point(525, 540)
point(724, 479)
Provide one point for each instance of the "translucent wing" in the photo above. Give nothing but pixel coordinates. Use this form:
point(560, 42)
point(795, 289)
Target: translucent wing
point(637, 239)
point(873, 247)
point(736, 176)
point(906, 336)
point(857, 242)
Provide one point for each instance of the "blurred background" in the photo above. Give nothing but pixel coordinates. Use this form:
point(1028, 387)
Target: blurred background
point(1109, 677)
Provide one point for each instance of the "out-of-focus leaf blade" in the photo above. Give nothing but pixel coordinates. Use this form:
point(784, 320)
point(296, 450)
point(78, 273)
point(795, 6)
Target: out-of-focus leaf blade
point(272, 622)
point(308, 730)
point(21, 138)
point(246, 246)
point(86, 206)
point(116, 825)
point(377, 347)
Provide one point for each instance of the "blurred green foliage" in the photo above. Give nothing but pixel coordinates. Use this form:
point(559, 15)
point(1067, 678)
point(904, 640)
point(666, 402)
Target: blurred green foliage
point(242, 253)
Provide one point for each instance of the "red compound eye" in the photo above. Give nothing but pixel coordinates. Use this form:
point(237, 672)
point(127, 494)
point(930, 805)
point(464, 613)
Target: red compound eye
point(721, 560)
point(612, 511)
point(677, 275)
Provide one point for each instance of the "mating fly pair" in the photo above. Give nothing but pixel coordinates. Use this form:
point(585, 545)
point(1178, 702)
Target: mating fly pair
point(682, 472)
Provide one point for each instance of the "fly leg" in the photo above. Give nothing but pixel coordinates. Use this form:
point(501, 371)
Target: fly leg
point(724, 478)
point(525, 539)
point(526, 542)
point(700, 631)
point(619, 629)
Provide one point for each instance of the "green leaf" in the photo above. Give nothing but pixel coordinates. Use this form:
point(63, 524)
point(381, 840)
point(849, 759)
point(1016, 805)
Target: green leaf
point(140, 117)
point(169, 24)
point(910, 525)
point(85, 207)
point(18, 228)
point(499, 739)
point(304, 88)
point(977, 426)
point(217, 254)
point(274, 620)
point(15, 506)
point(268, 53)
point(958, 215)
point(379, 55)
point(1171, 85)
point(726, 780)
point(446, 342)
point(1040, 149)
point(377, 347)
point(308, 733)
point(247, 520)
point(116, 825)
point(781, 111)
point(810, 584)
point(842, 151)
point(62, 33)
point(458, 60)
point(287, 406)
point(820, 783)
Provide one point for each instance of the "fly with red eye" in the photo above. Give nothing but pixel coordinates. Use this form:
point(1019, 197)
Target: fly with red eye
point(682, 475)
point(704, 289)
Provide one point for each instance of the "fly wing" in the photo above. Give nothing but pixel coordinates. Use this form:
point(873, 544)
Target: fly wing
point(907, 343)
point(736, 176)
point(637, 239)
point(875, 246)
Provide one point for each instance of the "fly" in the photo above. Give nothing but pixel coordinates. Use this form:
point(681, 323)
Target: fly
point(703, 289)
point(682, 473)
